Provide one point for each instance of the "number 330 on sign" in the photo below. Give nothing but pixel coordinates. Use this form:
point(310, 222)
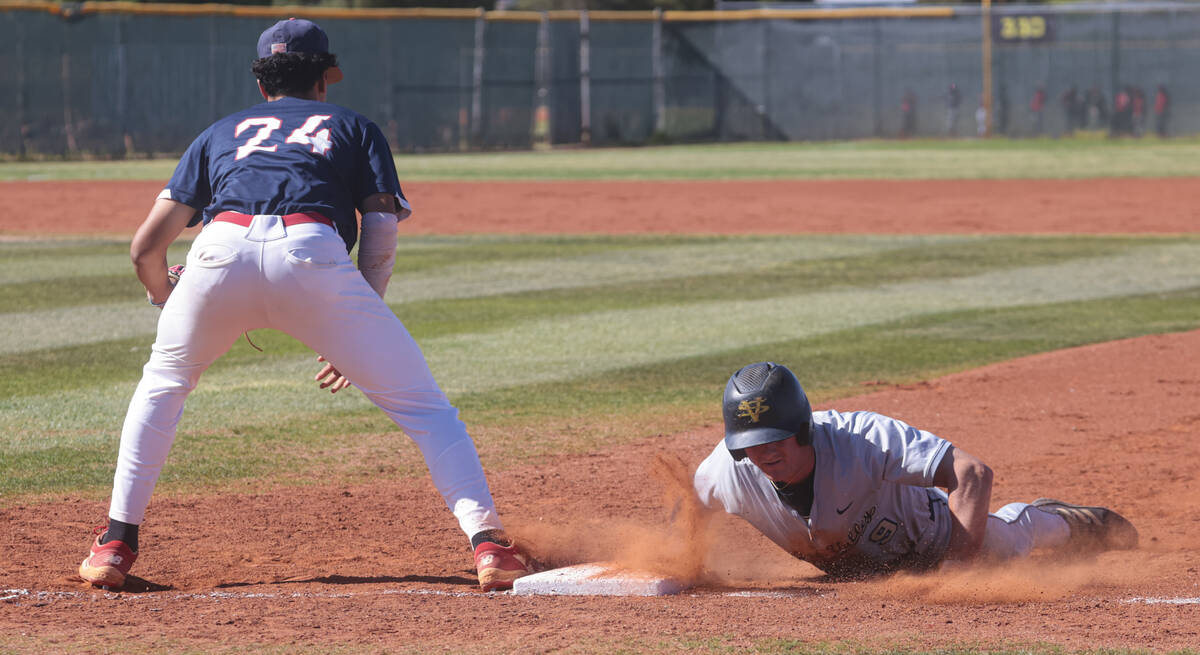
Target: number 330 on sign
point(1024, 28)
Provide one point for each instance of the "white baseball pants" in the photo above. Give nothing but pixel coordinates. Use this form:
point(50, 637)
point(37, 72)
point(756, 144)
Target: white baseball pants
point(1017, 529)
point(298, 279)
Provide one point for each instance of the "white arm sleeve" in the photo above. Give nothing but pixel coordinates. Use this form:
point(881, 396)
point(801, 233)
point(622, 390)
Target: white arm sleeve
point(377, 249)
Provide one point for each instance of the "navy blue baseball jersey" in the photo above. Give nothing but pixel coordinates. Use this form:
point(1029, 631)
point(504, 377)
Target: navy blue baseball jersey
point(287, 156)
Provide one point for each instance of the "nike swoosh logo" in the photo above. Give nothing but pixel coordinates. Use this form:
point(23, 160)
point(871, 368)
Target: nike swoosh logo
point(843, 510)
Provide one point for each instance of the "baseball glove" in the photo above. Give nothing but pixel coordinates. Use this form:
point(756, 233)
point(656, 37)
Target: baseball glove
point(173, 274)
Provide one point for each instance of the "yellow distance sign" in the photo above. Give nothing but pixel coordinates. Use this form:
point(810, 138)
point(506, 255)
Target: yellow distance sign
point(1023, 28)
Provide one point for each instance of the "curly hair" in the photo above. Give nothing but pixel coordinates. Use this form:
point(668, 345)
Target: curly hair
point(292, 73)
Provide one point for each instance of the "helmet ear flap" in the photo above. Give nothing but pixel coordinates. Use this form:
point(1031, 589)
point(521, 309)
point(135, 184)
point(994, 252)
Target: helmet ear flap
point(804, 437)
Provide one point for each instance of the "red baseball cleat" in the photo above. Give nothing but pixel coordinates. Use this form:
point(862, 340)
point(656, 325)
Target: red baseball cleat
point(498, 566)
point(107, 564)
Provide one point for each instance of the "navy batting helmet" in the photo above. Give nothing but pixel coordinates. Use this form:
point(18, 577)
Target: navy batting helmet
point(764, 403)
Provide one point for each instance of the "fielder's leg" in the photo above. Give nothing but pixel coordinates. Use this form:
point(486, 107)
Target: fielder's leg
point(206, 313)
point(358, 333)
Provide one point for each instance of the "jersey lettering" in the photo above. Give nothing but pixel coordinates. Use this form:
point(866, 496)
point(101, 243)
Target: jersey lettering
point(319, 142)
point(883, 532)
point(857, 530)
point(268, 124)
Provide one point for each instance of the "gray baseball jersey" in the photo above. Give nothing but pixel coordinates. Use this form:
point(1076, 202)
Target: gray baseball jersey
point(874, 505)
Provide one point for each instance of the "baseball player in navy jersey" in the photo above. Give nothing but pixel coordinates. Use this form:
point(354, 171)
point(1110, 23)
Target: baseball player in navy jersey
point(859, 493)
point(277, 187)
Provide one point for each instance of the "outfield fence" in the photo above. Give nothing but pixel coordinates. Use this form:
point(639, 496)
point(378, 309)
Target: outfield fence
point(123, 79)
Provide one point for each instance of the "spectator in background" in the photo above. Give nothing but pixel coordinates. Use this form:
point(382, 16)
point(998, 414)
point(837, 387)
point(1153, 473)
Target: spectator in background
point(1081, 113)
point(1137, 124)
point(1071, 102)
point(981, 118)
point(908, 114)
point(1001, 123)
point(1162, 110)
point(953, 102)
point(1122, 114)
point(1096, 108)
point(1037, 105)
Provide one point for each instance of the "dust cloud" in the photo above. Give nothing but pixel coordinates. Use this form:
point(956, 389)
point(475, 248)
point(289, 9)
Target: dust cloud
point(683, 539)
point(1031, 580)
point(674, 544)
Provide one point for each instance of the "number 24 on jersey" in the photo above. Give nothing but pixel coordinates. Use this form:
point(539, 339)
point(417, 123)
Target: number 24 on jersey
point(303, 135)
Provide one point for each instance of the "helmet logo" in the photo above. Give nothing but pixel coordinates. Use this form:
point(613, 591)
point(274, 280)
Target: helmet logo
point(753, 409)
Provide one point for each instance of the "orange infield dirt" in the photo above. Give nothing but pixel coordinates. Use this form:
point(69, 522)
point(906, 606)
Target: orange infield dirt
point(718, 207)
point(382, 565)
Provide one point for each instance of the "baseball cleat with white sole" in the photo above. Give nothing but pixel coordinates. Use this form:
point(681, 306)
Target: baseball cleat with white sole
point(498, 566)
point(107, 564)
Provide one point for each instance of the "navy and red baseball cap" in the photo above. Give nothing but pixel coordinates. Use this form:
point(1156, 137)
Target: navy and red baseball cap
point(297, 35)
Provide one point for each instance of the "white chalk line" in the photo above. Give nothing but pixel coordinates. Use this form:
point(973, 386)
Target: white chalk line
point(14, 595)
point(772, 594)
point(18, 595)
point(1164, 601)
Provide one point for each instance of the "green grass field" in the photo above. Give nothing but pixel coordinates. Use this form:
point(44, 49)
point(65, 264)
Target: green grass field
point(616, 337)
point(565, 343)
point(918, 159)
point(568, 344)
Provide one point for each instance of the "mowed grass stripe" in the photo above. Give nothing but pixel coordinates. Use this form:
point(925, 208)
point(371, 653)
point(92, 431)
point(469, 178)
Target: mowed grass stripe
point(36, 328)
point(915, 160)
point(835, 363)
point(47, 295)
point(523, 424)
point(39, 260)
point(269, 391)
point(761, 278)
point(468, 268)
point(43, 262)
point(586, 272)
point(578, 346)
point(468, 279)
point(75, 325)
point(23, 252)
point(585, 344)
point(863, 159)
point(119, 362)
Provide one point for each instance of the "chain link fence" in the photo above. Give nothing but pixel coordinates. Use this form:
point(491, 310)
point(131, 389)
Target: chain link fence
point(116, 79)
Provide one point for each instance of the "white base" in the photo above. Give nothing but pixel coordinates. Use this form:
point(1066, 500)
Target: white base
point(595, 579)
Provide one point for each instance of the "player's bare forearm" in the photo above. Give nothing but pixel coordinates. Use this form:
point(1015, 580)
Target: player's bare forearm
point(378, 202)
point(148, 251)
point(968, 481)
